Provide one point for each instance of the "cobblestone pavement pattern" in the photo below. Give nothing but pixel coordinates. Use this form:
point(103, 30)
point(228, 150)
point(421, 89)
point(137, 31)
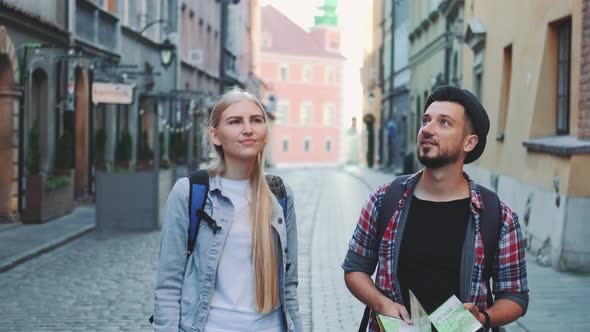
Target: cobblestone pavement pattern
point(327, 203)
point(104, 282)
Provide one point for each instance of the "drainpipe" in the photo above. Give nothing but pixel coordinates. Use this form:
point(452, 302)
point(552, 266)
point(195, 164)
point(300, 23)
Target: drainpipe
point(222, 39)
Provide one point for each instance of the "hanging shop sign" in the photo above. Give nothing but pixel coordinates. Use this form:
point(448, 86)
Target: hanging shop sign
point(112, 93)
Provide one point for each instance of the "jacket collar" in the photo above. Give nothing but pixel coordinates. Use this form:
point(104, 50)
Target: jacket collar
point(215, 185)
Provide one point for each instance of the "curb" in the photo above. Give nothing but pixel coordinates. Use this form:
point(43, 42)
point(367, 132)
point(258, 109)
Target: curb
point(11, 262)
point(359, 177)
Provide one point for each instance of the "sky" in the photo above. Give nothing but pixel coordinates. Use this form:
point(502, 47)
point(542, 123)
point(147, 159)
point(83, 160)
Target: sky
point(354, 31)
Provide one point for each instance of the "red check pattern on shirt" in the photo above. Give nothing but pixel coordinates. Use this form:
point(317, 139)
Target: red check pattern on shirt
point(509, 269)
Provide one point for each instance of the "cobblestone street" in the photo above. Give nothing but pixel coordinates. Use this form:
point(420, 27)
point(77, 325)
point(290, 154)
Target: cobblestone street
point(104, 282)
point(97, 283)
point(327, 204)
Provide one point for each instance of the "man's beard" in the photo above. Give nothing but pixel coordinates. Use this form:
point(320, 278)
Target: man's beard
point(440, 160)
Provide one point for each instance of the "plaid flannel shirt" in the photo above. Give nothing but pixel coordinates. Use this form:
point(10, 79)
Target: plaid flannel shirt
point(508, 271)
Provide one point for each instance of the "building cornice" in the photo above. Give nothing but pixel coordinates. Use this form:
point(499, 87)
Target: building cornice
point(33, 23)
point(191, 67)
point(423, 26)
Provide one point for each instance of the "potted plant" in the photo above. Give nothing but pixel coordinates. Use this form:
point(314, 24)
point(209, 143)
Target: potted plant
point(126, 200)
point(100, 148)
point(145, 152)
point(123, 150)
point(164, 163)
point(48, 197)
point(64, 158)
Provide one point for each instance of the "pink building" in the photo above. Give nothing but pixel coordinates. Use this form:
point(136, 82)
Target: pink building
point(302, 71)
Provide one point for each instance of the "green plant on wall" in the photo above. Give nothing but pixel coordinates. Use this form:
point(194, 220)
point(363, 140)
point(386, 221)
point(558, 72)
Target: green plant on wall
point(123, 150)
point(34, 153)
point(101, 145)
point(64, 156)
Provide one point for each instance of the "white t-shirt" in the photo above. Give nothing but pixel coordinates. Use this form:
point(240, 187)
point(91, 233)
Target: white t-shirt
point(232, 302)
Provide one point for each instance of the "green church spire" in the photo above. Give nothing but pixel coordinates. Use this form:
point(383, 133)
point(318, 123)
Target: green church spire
point(329, 18)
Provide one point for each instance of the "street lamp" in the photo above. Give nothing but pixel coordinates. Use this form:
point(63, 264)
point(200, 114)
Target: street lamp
point(166, 52)
point(166, 48)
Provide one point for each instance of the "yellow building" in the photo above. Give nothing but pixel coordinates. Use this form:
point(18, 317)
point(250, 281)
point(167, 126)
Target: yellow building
point(523, 59)
point(370, 73)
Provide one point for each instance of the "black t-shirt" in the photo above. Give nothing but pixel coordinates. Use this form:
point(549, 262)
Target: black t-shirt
point(430, 253)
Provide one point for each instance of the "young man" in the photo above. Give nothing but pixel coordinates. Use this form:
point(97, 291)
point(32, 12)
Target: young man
point(434, 242)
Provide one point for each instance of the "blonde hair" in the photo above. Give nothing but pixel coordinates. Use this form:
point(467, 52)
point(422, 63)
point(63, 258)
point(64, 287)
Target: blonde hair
point(263, 253)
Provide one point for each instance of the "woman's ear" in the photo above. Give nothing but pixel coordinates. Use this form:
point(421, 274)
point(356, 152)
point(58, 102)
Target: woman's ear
point(213, 137)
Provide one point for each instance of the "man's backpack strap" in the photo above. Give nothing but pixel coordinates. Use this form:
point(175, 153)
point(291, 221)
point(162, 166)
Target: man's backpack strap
point(490, 223)
point(389, 204)
point(277, 187)
point(199, 188)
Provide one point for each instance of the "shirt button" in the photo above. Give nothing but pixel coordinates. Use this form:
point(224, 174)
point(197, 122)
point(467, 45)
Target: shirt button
point(280, 220)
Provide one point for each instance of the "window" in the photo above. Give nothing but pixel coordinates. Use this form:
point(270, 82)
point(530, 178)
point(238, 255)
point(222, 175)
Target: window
point(305, 113)
point(455, 77)
point(307, 144)
point(307, 73)
point(564, 46)
point(328, 144)
point(329, 115)
point(282, 112)
point(330, 75)
point(285, 144)
point(283, 72)
point(266, 39)
point(505, 92)
point(477, 84)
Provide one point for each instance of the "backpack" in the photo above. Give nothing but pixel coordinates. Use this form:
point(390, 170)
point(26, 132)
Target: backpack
point(199, 189)
point(490, 223)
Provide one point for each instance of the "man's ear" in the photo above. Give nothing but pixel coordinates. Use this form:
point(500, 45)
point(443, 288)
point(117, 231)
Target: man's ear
point(213, 137)
point(470, 142)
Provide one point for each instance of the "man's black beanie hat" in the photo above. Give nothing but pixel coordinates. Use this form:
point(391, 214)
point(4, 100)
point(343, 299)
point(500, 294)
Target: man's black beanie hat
point(474, 110)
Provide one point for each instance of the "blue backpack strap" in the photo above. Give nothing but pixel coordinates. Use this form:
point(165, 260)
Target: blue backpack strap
point(276, 185)
point(199, 188)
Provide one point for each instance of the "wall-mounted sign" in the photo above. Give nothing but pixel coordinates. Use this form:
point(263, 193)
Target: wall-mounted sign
point(112, 93)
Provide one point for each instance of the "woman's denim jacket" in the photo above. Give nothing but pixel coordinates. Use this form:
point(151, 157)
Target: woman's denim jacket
point(184, 287)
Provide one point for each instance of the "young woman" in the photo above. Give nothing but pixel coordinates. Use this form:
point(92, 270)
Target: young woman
point(244, 276)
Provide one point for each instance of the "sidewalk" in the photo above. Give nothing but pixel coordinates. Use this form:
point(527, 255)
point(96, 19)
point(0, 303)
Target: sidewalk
point(557, 300)
point(19, 243)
